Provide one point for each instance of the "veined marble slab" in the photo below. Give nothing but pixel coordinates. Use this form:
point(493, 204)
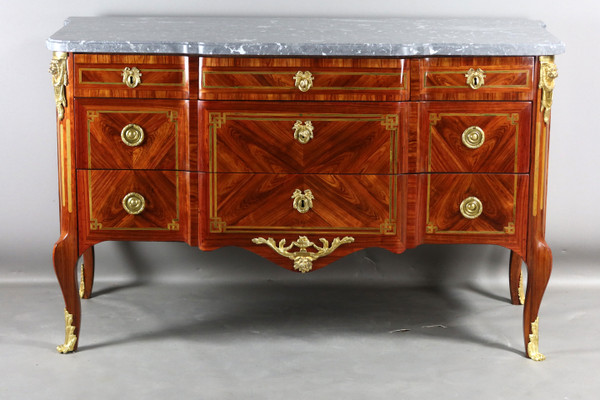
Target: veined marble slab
point(381, 37)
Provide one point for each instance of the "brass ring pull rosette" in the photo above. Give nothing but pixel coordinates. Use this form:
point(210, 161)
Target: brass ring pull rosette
point(134, 203)
point(471, 207)
point(303, 80)
point(132, 135)
point(475, 78)
point(473, 137)
point(302, 201)
point(132, 77)
point(303, 132)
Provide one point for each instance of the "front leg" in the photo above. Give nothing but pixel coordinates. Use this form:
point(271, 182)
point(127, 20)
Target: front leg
point(539, 268)
point(65, 265)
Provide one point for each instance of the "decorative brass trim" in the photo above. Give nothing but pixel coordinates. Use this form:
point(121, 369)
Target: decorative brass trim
point(303, 80)
point(521, 289)
point(533, 345)
point(58, 69)
point(132, 135)
point(473, 137)
point(548, 73)
point(303, 259)
point(70, 338)
point(302, 201)
point(475, 78)
point(82, 282)
point(471, 207)
point(132, 77)
point(134, 203)
point(303, 132)
point(510, 228)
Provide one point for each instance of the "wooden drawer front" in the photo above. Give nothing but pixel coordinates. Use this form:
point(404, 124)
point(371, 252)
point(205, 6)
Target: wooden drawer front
point(104, 127)
point(333, 79)
point(101, 75)
point(101, 195)
point(506, 78)
point(503, 200)
point(342, 204)
point(254, 137)
point(475, 137)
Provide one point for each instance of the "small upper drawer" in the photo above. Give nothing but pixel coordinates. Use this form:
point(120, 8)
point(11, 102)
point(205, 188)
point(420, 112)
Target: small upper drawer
point(131, 76)
point(474, 78)
point(491, 137)
point(126, 134)
point(304, 79)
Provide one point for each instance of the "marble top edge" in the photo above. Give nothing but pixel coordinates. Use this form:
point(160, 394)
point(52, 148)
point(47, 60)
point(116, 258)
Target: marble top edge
point(291, 36)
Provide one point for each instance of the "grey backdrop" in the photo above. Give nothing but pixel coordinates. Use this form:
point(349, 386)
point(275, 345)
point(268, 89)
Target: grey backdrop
point(28, 182)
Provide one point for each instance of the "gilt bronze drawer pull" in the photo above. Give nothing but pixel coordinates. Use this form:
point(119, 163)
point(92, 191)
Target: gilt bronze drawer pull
point(473, 137)
point(303, 80)
point(475, 78)
point(134, 203)
point(303, 132)
point(303, 259)
point(302, 201)
point(132, 135)
point(471, 207)
point(132, 77)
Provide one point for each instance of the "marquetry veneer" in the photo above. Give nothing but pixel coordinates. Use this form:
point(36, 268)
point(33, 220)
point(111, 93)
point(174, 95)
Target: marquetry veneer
point(346, 153)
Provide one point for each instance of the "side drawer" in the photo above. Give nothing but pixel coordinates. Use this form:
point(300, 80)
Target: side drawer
point(304, 137)
point(474, 78)
point(126, 134)
point(323, 79)
point(303, 204)
point(475, 137)
point(133, 205)
point(476, 207)
point(131, 76)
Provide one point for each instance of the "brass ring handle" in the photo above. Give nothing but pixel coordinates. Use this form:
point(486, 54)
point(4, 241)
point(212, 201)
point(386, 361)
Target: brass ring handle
point(303, 80)
point(134, 203)
point(303, 132)
point(475, 78)
point(302, 201)
point(471, 207)
point(132, 135)
point(132, 77)
point(473, 137)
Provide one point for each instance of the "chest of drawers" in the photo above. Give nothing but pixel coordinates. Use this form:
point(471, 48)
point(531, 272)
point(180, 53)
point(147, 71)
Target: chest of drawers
point(302, 152)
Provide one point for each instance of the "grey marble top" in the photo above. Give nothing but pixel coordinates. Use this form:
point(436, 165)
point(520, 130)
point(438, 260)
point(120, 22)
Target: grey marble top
point(383, 37)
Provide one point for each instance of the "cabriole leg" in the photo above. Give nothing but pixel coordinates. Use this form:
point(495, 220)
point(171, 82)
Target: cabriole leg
point(539, 268)
point(65, 265)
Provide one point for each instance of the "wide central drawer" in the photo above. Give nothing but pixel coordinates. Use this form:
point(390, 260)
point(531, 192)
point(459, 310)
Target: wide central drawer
point(304, 137)
point(280, 203)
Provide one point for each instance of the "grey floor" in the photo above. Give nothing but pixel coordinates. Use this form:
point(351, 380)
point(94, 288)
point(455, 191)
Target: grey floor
point(279, 336)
